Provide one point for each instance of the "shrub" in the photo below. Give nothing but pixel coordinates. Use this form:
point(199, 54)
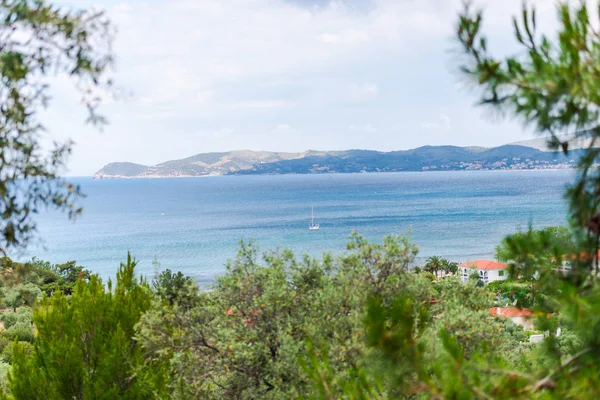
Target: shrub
point(21, 331)
point(9, 319)
point(84, 346)
point(29, 293)
point(521, 291)
point(4, 369)
point(23, 314)
point(24, 294)
point(175, 288)
point(7, 353)
point(428, 275)
point(3, 343)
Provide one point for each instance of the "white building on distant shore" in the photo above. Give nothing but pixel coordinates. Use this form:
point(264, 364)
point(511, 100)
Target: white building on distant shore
point(488, 271)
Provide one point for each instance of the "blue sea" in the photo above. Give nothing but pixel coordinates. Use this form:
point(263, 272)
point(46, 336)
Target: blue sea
point(194, 225)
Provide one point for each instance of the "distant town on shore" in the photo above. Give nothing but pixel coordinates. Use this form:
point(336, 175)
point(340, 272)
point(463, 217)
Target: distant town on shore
point(528, 155)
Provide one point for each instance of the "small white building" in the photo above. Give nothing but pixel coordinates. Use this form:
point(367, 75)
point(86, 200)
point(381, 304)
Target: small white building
point(523, 317)
point(520, 316)
point(488, 271)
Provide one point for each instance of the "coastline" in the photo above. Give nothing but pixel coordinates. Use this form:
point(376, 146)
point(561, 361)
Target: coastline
point(103, 177)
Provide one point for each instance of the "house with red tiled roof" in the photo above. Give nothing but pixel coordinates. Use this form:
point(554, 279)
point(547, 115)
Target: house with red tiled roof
point(488, 271)
point(523, 317)
point(520, 316)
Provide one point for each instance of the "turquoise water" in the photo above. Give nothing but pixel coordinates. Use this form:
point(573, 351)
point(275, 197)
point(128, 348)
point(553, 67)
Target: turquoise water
point(459, 215)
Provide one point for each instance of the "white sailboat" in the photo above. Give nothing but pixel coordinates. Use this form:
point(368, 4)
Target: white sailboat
point(312, 226)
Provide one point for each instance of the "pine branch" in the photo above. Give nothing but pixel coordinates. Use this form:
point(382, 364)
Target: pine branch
point(547, 382)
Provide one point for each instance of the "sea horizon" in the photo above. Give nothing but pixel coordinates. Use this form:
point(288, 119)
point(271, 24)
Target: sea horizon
point(324, 173)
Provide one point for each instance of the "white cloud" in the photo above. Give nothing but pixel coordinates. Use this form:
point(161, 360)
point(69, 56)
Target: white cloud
point(444, 122)
point(430, 125)
point(347, 37)
point(261, 104)
point(250, 64)
point(284, 129)
point(368, 128)
point(223, 133)
point(363, 92)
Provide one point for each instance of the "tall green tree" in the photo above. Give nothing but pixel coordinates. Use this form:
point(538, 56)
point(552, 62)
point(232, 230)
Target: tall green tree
point(552, 85)
point(38, 41)
point(175, 288)
point(556, 242)
point(85, 346)
point(433, 265)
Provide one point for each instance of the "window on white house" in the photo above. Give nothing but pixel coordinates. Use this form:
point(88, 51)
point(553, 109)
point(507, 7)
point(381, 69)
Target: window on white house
point(500, 273)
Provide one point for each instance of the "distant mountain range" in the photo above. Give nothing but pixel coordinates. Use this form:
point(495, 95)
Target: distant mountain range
point(427, 158)
point(542, 144)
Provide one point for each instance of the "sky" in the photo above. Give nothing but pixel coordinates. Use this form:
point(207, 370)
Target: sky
point(197, 76)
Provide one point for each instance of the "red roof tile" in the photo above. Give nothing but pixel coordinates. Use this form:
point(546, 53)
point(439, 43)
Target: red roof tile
point(583, 257)
point(484, 265)
point(511, 312)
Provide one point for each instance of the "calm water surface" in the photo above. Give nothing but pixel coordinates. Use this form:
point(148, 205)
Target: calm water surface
point(459, 215)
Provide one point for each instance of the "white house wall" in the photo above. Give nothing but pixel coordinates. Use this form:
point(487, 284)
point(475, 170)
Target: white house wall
point(494, 275)
point(486, 276)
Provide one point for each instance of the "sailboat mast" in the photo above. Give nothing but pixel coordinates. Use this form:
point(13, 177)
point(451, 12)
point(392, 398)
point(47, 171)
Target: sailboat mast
point(312, 216)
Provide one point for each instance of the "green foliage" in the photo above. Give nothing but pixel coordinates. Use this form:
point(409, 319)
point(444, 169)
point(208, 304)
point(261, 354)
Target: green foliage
point(289, 328)
point(21, 331)
point(59, 277)
point(475, 331)
point(507, 292)
point(84, 346)
point(13, 300)
point(475, 278)
point(462, 352)
point(552, 84)
point(555, 86)
point(25, 346)
point(23, 314)
point(29, 293)
point(452, 292)
point(556, 242)
point(428, 275)
point(4, 370)
point(39, 40)
point(463, 311)
point(248, 336)
point(13, 273)
point(22, 295)
point(175, 288)
point(357, 326)
point(23, 283)
point(450, 266)
point(435, 265)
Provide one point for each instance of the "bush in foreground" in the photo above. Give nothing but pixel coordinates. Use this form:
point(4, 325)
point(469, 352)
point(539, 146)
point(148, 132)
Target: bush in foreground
point(85, 346)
